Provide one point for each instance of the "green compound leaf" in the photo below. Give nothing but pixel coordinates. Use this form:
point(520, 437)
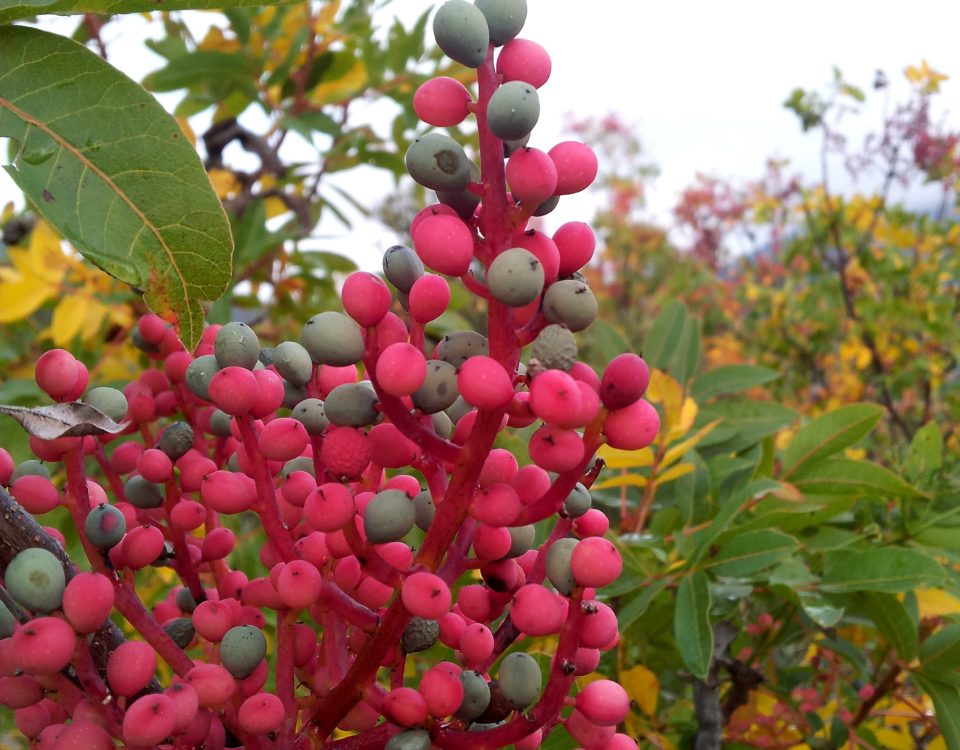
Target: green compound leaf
point(829, 434)
point(691, 623)
point(11, 10)
point(114, 174)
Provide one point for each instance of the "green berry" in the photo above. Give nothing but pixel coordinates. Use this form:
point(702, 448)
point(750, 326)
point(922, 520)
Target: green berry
point(352, 405)
point(236, 345)
point(419, 635)
point(199, 374)
point(555, 348)
point(515, 277)
point(439, 389)
point(143, 494)
point(410, 739)
point(578, 502)
point(522, 539)
point(402, 267)
point(558, 565)
point(30, 467)
point(242, 649)
point(570, 303)
point(7, 622)
point(476, 695)
point(105, 526)
point(332, 338)
point(461, 32)
point(310, 413)
point(513, 110)
point(388, 517)
point(176, 440)
point(456, 348)
point(220, 423)
point(504, 18)
point(520, 679)
point(35, 579)
point(425, 509)
point(293, 362)
point(107, 401)
point(180, 630)
point(438, 162)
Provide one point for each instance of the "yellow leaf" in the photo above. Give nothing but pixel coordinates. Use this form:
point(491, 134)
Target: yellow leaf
point(22, 298)
point(184, 124)
point(225, 182)
point(937, 603)
point(680, 449)
point(925, 77)
point(8, 212)
point(674, 473)
point(937, 743)
point(894, 739)
point(621, 459)
point(348, 85)
point(666, 391)
point(68, 318)
point(642, 687)
point(624, 480)
point(45, 258)
point(96, 313)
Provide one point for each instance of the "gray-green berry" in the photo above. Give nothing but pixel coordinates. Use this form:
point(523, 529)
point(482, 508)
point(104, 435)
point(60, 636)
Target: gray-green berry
point(332, 338)
point(424, 509)
point(7, 621)
point(515, 277)
point(293, 362)
point(388, 517)
point(236, 345)
point(522, 539)
point(457, 347)
point(558, 565)
point(352, 405)
point(35, 579)
point(419, 635)
point(176, 440)
point(461, 32)
point(402, 267)
point(520, 679)
point(504, 18)
point(570, 303)
point(104, 526)
point(513, 110)
point(476, 695)
point(438, 162)
point(108, 401)
point(180, 630)
point(30, 467)
point(439, 389)
point(242, 649)
point(555, 348)
point(310, 413)
point(410, 739)
point(578, 502)
point(199, 374)
point(143, 494)
point(220, 423)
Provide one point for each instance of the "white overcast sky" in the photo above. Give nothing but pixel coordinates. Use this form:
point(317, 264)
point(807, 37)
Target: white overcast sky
point(702, 82)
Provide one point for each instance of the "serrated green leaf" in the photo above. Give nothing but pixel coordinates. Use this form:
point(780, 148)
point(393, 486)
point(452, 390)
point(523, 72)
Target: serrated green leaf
point(892, 619)
point(691, 623)
point(10, 10)
point(114, 173)
point(847, 476)
point(729, 379)
point(828, 434)
point(890, 569)
point(751, 551)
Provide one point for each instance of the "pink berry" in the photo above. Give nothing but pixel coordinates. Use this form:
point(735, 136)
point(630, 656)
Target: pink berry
point(391, 330)
point(497, 505)
point(283, 439)
point(329, 507)
point(366, 298)
point(228, 491)
point(476, 643)
point(500, 465)
point(269, 393)
point(590, 736)
point(217, 544)
point(34, 720)
point(426, 595)
point(187, 515)
point(530, 482)
point(87, 601)
point(149, 720)
point(584, 373)
point(213, 619)
point(392, 448)
point(43, 645)
point(35, 493)
point(576, 166)
point(604, 702)
point(141, 546)
point(484, 383)
point(130, 667)
point(575, 242)
point(405, 706)
point(20, 691)
point(595, 562)
point(474, 602)
point(556, 449)
point(6, 467)
point(429, 298)
point(452, 626)
point(633, 427)
point(186, 705)
point(491, 542)
point(442, 102)
point(155, 465)
point(329, 376)
point(532, 176)
point(537, 610)
point(554, 397)
point(592, 523)
point(84, 735)
point(445, 244)
point(152, 328)
point(261, 713)
point(523, 60)
point(213, 683)
point(346, 452)
point(299, 584)
point(442, 689)
point(125, 457)
point(234, 390)
point(401, 368)
point(530, 742)
point(435, 209)
point(624, 381)
point(56, 373)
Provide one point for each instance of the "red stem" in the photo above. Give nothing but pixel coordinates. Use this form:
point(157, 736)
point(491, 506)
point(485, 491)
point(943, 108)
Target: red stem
point(285, 676)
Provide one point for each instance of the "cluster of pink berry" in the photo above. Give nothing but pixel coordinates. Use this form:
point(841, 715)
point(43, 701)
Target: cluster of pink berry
point(393, 525)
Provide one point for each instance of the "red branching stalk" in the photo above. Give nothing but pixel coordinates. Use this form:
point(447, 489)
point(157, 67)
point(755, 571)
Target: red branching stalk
point(184, 562)
point(266, 506)
point(285, 676)
point(125, 600)
point(551, 702)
